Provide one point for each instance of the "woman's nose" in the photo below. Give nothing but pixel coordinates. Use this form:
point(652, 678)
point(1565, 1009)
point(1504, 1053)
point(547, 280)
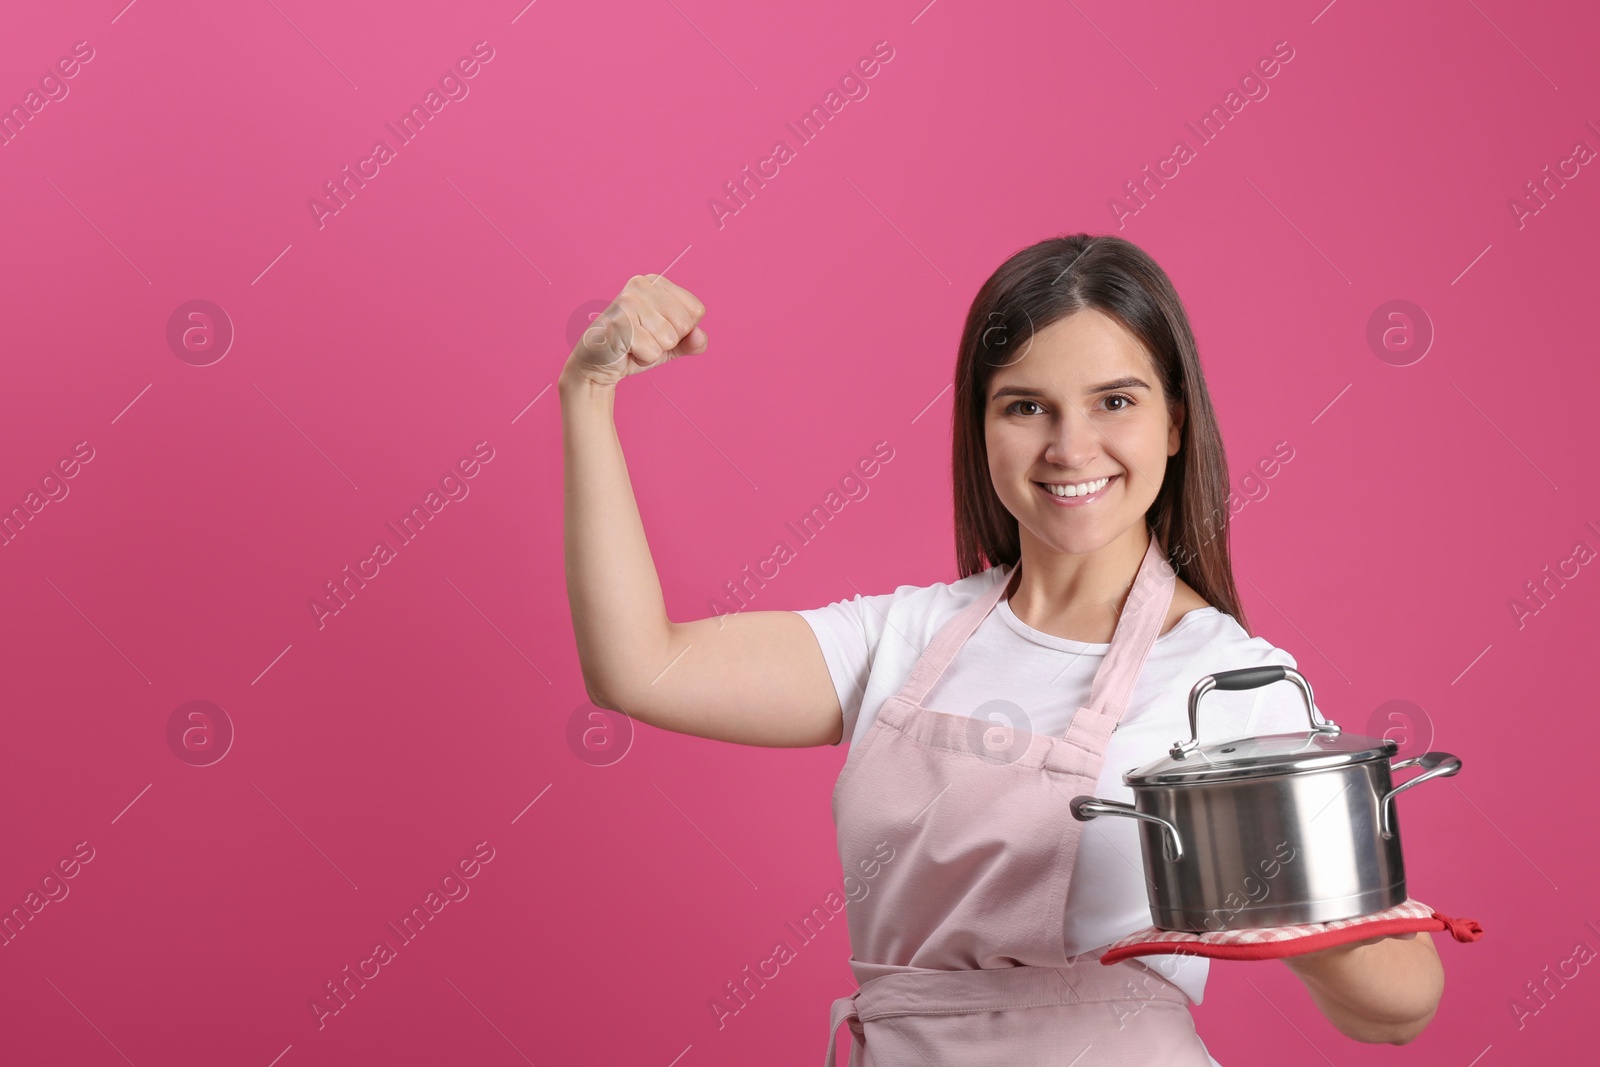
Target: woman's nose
point(1074, 439)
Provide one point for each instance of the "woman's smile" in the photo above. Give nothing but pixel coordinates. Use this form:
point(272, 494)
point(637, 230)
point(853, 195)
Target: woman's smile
point(1077, 494)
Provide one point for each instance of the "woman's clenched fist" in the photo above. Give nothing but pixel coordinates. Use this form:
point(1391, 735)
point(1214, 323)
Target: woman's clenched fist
point(651, 321)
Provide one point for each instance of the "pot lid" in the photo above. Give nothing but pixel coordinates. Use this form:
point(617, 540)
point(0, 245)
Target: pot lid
point(1261, 757)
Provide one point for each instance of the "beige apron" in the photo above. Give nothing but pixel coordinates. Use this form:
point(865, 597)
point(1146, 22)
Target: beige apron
point(958, 943)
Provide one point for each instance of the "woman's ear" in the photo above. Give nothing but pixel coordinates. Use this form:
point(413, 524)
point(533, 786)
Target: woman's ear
point(1175, 435)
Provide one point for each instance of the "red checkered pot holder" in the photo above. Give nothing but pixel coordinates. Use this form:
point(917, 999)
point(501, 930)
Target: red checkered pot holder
point(1279, 941)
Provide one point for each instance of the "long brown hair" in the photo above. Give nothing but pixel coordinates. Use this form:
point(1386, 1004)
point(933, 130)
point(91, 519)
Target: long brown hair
point(1033, 289)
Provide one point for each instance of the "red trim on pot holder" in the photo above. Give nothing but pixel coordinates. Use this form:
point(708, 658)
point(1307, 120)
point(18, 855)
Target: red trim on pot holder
point(1460, 929)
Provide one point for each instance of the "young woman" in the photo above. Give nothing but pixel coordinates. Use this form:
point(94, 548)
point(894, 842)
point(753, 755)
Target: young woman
point(1091, 536)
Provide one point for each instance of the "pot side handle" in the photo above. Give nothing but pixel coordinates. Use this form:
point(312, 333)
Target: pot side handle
point(1085, 808)
point(1436, 764)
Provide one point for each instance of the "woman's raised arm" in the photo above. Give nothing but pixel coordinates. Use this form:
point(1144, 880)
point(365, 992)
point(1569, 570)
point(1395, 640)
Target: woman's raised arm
point(755, 678)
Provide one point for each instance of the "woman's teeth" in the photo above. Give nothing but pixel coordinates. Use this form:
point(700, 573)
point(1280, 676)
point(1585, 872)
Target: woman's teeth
point(1081, 489)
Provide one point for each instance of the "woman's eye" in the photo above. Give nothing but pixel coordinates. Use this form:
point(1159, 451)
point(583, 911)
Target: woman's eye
point(1127, 401)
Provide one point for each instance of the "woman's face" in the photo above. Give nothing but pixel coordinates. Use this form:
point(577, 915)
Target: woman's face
point(1081, 404)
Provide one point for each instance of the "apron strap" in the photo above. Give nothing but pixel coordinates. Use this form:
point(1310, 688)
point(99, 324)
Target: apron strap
point(844, 1009)
point(948, 641)
point(1138, 625)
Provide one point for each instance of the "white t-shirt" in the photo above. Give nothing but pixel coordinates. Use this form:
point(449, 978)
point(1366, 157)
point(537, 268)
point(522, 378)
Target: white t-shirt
point(872, 642)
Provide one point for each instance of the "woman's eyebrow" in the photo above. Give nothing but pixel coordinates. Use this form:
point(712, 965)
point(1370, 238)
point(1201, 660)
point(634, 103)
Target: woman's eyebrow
point(1103, 387)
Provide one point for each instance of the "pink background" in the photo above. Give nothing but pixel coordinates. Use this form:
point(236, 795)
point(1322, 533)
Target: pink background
point(433, 312)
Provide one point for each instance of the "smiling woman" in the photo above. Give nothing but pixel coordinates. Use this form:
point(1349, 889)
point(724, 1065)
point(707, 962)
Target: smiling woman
point(1085, 369)
point(1086, 461)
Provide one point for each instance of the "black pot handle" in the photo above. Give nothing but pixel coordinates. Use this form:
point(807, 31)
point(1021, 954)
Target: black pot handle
point(1248, 678)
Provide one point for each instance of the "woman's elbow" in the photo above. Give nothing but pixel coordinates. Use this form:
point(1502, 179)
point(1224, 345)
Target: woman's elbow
point(1380, 1031)
point(1409, 1032)
point(1402, 1024)
point(597, 693)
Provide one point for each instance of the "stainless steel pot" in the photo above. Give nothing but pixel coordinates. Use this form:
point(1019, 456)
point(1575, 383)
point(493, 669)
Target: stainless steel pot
point(1272, 830)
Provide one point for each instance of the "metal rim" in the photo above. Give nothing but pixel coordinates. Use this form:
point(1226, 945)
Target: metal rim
point(1212, 773)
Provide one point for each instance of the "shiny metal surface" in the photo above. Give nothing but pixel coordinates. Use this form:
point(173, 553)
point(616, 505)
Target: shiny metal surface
point(1299, 848)
point(1263, 756)
point(1437, 764)
point(1293, 834)
point(1081, 805)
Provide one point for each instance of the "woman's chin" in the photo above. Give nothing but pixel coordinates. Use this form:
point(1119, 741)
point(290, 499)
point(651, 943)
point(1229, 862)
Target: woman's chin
point(1076, 534)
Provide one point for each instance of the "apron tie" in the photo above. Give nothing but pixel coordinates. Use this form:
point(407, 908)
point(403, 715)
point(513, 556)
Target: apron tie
point(844, 1010)
point(1102, 999)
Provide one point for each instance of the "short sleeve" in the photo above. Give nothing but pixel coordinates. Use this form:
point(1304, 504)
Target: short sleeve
point(849, 632)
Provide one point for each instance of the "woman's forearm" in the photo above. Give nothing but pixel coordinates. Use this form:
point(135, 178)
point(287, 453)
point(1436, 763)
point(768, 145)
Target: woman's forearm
point(618, 615)
point(1380, 990)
